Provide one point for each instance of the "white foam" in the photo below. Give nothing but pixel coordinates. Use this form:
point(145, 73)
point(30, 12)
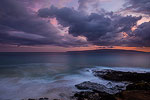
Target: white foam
point(18, 88)
point(124, 69)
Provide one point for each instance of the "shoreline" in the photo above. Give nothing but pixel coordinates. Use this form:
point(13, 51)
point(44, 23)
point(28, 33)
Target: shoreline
point(88, 90)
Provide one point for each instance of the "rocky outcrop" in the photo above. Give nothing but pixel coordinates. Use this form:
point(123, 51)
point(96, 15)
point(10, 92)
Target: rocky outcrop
point(88, 95)
point(135, 91)
point(97, 87)
point(133, 95)
point(40, 99)
point(139, 89)
point(122, 76)
point(139, 86)
point(97, 92)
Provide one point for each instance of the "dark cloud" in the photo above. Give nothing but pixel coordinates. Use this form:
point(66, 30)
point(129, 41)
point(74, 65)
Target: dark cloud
point(98, 28)
point(20, 27)
point(92, 26)
point(139, 6)
point(142, 34)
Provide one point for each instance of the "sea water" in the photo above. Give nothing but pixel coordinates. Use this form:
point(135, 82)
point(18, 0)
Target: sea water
point(53, 75)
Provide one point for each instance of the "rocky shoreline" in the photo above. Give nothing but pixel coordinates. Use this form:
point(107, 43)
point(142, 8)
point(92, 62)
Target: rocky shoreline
point(138, 87)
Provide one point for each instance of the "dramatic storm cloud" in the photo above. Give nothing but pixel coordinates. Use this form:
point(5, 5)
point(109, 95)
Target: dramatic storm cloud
point(142, 34)
point(139, 6)
point(99, 28)
point(20, 27)
point(43, 22)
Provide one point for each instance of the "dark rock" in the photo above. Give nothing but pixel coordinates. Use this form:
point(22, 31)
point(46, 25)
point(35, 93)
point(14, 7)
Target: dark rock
point(135, 91)
point(109, 84)
point(122, 76)
point(46, 99)
point(91, 86)
point(117, 87)
point(40, 99)
point(139, 86)
point(96, 87)
point(133, 95)
point(43, 98)
point(87, 95)
point(31, 99)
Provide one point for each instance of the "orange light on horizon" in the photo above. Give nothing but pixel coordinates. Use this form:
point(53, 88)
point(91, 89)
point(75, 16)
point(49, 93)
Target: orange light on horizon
point(144, 49)
point(94, 47)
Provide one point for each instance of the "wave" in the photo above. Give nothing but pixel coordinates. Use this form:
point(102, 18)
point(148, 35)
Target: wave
point(60, 85)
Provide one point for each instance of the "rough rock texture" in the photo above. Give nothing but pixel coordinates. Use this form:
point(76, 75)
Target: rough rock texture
point(99, 92)
point(134, 95)
point(122, 76)
point(135, 91)
point(138, 90)
point(87, 95)
point(40, 99)
point(96, 87)
point(139, 86)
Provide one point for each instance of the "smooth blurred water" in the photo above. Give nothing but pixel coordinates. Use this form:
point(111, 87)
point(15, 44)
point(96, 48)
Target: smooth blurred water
point(25, 75)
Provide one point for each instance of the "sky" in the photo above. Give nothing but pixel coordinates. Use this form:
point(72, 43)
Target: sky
point(66, 25)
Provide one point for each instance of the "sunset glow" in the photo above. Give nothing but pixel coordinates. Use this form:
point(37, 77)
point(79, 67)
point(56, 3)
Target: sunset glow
point(74, 49)
point(62, 25)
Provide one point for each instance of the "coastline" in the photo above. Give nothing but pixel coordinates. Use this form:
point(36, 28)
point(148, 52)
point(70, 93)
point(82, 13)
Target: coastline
point(110, 89)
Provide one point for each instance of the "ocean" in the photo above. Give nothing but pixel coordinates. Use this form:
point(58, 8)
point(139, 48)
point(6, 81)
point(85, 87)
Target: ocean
point(53, 75)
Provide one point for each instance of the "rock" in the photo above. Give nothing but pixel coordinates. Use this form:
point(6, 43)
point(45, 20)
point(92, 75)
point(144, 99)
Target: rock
point(135, 91)
point(46, 99)
point(43, 99)
point(109, 84)
point(91, 86)
point(139, 86)
point(133, 95)
point(40, 99)
point(122, 76)
point(96, 87)
point(87, 95)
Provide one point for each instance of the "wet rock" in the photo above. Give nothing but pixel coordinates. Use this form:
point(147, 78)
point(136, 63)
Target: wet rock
point(133, 95)
point(96, 87)
point(139, 86)
point(46, 98)
point(43, 99)
point(87, 95)
point(40, 99)
point(135, 91)
point(109, 84)
point(122, 76)
point(31, 99)
point(91, 86)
